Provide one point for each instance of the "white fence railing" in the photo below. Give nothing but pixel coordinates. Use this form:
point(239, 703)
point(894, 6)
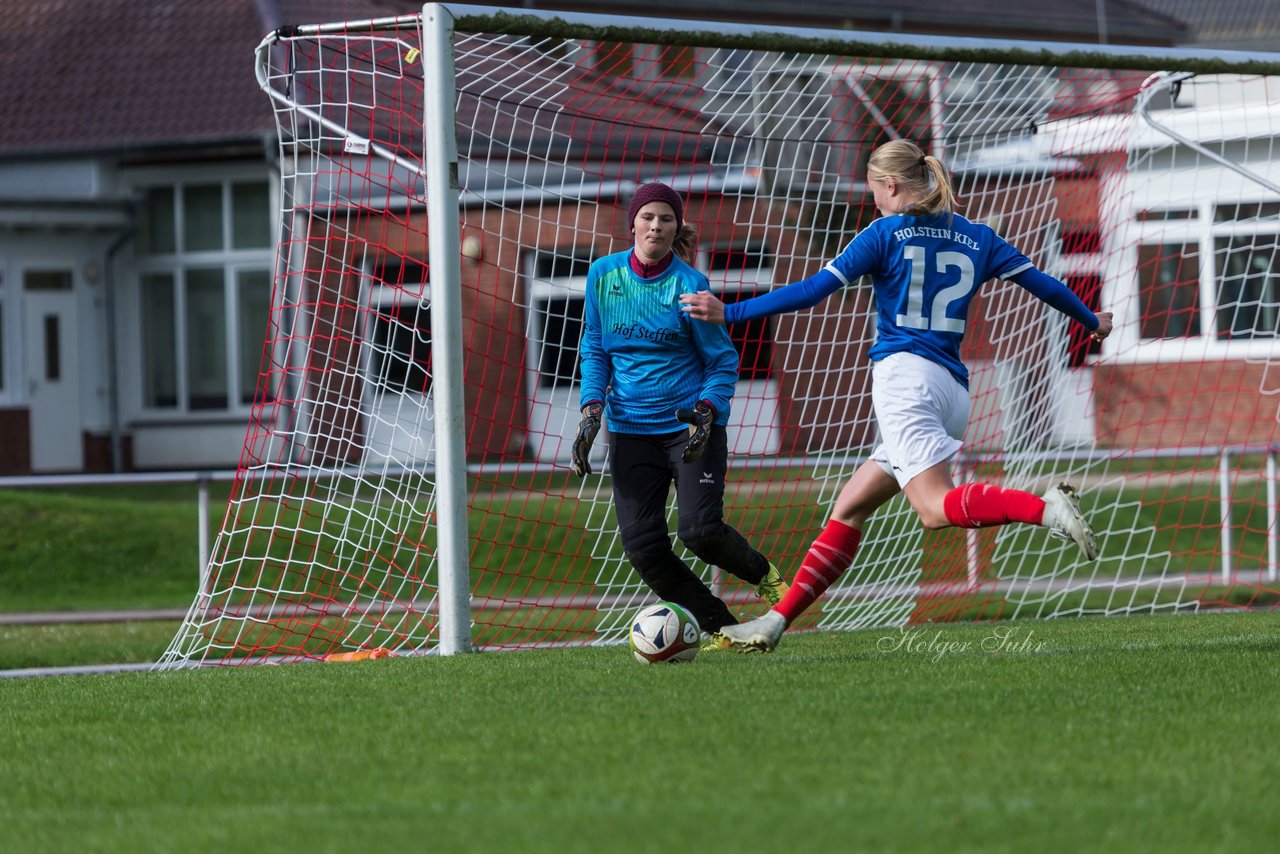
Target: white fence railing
point(964, 463)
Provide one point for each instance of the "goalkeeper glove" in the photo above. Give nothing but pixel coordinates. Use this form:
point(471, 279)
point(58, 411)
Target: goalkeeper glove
point(700, 418)
point(588, 427)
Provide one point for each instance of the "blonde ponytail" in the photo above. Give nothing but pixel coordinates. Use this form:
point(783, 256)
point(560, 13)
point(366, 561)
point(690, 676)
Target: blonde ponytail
point(922, 174)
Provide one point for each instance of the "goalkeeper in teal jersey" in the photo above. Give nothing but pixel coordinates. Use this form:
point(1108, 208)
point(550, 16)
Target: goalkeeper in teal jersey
point(653, 373)
point(926, 263)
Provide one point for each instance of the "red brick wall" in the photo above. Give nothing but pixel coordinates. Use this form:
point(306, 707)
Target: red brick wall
point(1186, 404)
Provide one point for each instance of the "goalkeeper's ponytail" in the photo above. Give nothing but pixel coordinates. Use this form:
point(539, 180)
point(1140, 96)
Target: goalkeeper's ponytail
point(685, 243)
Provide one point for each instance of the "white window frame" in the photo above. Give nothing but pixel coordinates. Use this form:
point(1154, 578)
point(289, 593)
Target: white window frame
point(231, 262)
point(1202, 232)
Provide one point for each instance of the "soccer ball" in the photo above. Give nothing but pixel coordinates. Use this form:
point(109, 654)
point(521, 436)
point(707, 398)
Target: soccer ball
point(664, 633)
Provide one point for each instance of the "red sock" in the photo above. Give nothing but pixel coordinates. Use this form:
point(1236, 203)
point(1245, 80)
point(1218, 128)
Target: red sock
point(828, 558)
point(976, 505)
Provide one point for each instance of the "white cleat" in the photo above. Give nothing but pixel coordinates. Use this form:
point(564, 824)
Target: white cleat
point(758, 635)
point(1064, 520)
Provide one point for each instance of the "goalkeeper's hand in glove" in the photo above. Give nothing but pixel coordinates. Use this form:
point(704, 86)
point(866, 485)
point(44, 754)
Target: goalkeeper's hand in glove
point(700, 418)
point(588, 427)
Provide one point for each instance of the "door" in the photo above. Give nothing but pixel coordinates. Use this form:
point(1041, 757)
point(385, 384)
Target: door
point(52, 371)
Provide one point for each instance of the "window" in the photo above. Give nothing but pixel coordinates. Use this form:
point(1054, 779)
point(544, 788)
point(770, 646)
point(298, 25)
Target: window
point(399, 331)
point(1243, 302)
point(1081, 344)
point(1248, 279)
point(559, 320)
point(739, 272)
point(206, 336)
point(1169, 290)
point(160, 343)
point(400, 348)
point(251, 220)
point(1241, 211)
point(202, 218)
point(558, 305)
point(1170, 215)
point(52, 348)
point(563, 264)
point(204, 290)
point(1206, 279)
point(614, 58)
point(410, 275)
point(47, 280)
point(753, 340)
point(254, 288)
point(731, 258)
point(156, 234)
point(1082, 241)
point(731, 71)
point(677, 62)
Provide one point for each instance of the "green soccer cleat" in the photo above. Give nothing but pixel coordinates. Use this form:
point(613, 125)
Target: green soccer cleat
point(772, 587)
point(714, 642)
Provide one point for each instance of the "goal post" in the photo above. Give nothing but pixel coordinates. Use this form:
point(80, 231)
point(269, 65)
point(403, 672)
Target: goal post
point(441, 156)
point(447, 177)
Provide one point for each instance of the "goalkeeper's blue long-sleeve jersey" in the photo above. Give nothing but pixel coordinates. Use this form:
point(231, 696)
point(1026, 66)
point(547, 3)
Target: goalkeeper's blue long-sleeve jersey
point(925, 271)
point(643, 356)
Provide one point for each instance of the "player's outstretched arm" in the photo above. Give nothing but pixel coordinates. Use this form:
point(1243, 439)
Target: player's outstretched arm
point(1056, 294)
point(798, 295)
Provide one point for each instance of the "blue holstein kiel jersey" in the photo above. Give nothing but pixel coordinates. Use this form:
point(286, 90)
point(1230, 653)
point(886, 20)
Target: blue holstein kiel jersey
point(925, 271)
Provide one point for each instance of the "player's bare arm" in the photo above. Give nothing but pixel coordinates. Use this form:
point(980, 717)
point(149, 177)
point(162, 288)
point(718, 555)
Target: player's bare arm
point(703, 306)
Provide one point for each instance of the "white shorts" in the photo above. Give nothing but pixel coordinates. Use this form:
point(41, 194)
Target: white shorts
point(922, 411)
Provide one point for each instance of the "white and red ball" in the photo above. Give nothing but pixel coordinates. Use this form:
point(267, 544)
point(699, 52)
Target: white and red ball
point(664, 632)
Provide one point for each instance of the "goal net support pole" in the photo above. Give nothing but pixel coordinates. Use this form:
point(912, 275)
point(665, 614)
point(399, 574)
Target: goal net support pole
point(441, 155)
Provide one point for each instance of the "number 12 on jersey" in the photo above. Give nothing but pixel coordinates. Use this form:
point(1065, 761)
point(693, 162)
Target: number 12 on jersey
point(933, 316)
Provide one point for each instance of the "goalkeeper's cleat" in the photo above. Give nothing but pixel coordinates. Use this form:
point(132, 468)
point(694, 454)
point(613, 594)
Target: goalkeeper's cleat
point(714, 642)
point(772, 587)
point(758, 635)
point(1064, 520)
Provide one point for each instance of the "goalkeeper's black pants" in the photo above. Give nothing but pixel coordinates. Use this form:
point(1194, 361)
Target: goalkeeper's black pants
point(643, 469)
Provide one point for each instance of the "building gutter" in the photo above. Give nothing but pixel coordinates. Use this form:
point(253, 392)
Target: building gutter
point(113, 361)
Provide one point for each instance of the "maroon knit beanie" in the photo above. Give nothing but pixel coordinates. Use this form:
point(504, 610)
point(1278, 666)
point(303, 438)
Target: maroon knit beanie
point(655, 193)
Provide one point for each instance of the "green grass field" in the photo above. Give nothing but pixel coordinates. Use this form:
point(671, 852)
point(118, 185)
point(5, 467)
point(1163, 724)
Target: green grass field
point(1125, 734)
point(1133, 734)
point(132, 547)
